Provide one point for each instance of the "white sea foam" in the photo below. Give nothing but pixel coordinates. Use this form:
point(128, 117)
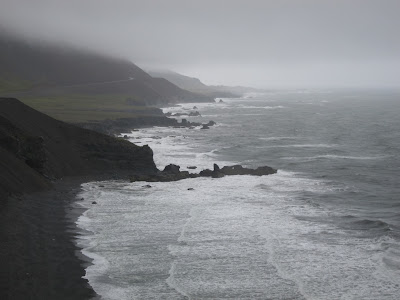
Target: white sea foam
point(301, 146)
point(229, 237)
point(237, 237)
point(331, 156)
point(278, 138)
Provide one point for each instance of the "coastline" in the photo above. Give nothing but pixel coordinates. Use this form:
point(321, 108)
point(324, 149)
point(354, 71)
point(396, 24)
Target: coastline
point(39, 254)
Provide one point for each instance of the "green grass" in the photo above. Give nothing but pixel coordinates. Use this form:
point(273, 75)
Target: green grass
point(86, 108)
point(10, 85)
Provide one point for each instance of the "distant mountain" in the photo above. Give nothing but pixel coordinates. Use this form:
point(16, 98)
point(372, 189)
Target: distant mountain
point(241, 90)
point(193, 84)
point(196, 86)
point(55, 70)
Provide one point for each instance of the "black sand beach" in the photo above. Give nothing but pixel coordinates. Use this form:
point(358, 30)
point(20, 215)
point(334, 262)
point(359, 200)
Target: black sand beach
point(39, 257)
point(42, 164)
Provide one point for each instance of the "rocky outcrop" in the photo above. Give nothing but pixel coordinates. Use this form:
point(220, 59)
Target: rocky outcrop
point(173, 173)
point(36, 149)
point(191, 114)
point(113, 127)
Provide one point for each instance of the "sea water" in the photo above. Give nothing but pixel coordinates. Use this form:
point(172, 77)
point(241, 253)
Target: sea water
point(326, 226)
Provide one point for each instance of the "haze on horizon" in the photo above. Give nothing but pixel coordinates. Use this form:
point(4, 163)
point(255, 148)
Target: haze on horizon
point(261, 43)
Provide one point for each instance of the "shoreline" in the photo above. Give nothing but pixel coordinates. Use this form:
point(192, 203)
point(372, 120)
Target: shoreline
point(41, 258)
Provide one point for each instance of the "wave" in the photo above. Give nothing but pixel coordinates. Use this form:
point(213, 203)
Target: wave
point(302, 146)
point(273, 107)
point(331, 156)
point(265, 107)
point(278, 138)
point(367, 224)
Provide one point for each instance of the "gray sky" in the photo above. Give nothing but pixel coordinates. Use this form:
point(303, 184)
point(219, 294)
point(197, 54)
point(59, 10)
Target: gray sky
point(281, 43)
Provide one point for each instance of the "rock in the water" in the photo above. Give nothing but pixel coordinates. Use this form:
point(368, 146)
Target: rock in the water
point(211, 123)
point(240, 170)
point(195, 107)
point(190, 189)
point(206, 173)
point(172, 173)
point(194, 114)
point(192, 167)
point(172, 169)
point(147, 186)
point(220, 101)
point(94, 202)
point(205, 127)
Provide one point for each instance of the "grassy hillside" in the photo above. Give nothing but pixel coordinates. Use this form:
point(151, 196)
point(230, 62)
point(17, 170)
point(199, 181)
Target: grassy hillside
point(9, 84)
point(192, 84)
point(79, 86)
point(86, 108)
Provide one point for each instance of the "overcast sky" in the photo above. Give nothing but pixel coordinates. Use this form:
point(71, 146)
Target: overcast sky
point(263, 43)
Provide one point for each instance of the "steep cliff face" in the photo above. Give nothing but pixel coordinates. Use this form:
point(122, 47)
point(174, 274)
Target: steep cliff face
point(35, 149)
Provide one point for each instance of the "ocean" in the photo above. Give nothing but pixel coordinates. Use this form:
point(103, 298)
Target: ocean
point(326, 226)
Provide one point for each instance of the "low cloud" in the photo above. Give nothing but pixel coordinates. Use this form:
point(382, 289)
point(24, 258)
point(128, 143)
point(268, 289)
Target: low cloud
point(262, 43)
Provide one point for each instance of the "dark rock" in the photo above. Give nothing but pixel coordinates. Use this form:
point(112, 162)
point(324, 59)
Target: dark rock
point(190, 189)
point(240, 170)
point(192, 167)
point(172, 169)
point(217, 175)
point(101, 185)
point(172, 173)
point(206, 173)
point(94, 202)
point(205, 127)
point(220, 101)
point(211, 123)
point(184, 122)
point(143, 177)
point(147, 186)
point(195, 107)
point(125, 136)
point(194, 114)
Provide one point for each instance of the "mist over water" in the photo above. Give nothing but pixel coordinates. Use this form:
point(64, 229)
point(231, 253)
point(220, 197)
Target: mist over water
point(326, 226)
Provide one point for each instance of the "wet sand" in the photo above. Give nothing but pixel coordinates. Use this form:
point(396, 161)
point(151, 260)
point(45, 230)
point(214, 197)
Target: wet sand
point(38, 255)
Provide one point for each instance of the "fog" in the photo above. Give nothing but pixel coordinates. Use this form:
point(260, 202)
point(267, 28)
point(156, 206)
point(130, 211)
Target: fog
point(262, 43)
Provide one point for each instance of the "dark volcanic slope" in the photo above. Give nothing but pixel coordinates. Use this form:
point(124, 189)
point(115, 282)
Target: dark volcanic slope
point(37, 254)
point(35, 148)
point(33, 67)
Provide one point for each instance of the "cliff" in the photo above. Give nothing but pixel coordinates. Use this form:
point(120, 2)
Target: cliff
point(36, 149)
